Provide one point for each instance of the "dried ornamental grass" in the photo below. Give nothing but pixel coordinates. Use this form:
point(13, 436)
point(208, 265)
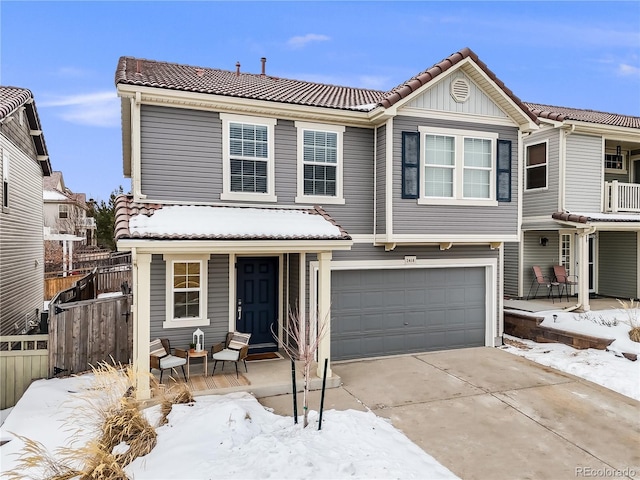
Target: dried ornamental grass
point(36, 463)
point(175, 394)
point(632, 312)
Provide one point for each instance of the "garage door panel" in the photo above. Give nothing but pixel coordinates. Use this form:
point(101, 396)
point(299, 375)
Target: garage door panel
point(390, 311)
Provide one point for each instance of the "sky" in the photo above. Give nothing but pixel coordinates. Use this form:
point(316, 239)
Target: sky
point(565, 53)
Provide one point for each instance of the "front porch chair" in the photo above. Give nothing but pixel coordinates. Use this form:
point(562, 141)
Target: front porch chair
point(564, 279)
point(540, 279)
point(234, 349)
point(161, 358)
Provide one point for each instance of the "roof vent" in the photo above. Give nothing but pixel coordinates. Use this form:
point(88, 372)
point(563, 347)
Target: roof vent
point(460, 90)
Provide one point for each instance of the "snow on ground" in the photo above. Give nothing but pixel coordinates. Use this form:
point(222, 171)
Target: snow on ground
point(228, 436)
point(606, 368)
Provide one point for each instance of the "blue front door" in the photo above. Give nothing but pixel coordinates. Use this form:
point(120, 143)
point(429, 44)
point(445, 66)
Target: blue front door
point(257, 301)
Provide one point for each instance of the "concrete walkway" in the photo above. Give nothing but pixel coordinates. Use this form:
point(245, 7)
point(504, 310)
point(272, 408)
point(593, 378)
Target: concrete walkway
point(485, 413)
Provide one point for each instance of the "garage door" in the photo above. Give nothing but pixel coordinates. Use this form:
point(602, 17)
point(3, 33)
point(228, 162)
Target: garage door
point(392, 311)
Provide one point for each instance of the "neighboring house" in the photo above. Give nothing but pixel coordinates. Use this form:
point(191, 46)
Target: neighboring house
point(65, 212)
point(381, 214)
point(24, 161)
point(581, 203)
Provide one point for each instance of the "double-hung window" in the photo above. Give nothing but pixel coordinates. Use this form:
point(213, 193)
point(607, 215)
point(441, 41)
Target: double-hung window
point(186, 291)
point(5, 179)
point(63, 211)
point(319, 163)
point(458, 167)
point(248, 165)
point(536, 167)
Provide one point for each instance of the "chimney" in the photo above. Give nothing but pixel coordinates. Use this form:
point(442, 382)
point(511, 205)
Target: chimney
point(237, 69)
point(138, 67)
point(263, 60)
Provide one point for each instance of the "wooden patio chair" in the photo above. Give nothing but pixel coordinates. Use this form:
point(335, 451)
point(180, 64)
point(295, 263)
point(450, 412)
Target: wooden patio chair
point(161, 358)
point(234, 349)
point(564, 279)
point(540, 279)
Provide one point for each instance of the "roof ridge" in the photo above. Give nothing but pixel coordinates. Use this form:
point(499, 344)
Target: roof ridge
point(547, 106)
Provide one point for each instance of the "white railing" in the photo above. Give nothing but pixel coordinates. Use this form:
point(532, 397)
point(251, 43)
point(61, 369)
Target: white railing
point(621, 197)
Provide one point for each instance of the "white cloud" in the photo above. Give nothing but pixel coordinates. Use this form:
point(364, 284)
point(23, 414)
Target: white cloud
point(628, 70)
point(302, 41)
point(98, 109)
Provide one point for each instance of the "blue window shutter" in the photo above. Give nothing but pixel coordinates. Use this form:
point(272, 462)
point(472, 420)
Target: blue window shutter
point(503, 172)
point(410, 164)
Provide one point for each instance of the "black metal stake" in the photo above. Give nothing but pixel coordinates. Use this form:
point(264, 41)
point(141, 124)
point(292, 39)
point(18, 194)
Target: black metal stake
point(295, 400)
point(324, 383)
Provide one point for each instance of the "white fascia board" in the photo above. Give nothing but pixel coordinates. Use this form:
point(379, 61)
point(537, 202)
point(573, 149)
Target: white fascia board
point(418, 239)
point(233, 246)
point(611, 132)
point(419, 263)
point(455, 116)
point(221, 103)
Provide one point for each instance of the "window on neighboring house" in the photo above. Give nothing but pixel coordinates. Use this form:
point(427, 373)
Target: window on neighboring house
point(536, 167)
point(458, 166)
point(615, 163)
point(319, 163)
point(63, 211)
point(5, 179)
point(186, 300)
point(248, 158)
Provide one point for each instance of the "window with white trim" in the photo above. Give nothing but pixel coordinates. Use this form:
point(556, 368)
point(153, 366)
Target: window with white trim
point(248, 160)
point(319, 163)
point(63, 211)
point(458, 166)
point(615, 163)
point(5, 179)
point(186, 291)
point(536, 166)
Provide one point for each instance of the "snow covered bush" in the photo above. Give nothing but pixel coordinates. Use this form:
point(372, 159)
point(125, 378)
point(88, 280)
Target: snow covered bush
point(632, 312)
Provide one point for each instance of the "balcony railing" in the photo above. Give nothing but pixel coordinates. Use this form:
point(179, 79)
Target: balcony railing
point(621, 197)
point(88, 222)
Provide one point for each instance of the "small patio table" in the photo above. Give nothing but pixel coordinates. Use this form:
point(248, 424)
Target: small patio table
point(193, 354)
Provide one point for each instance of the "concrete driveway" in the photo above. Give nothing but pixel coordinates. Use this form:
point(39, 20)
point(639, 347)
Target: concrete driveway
point(487, 414)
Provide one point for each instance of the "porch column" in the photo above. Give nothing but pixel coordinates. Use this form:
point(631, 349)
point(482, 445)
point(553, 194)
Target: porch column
point(324, 313)
point(583, 269)
point(141, 322)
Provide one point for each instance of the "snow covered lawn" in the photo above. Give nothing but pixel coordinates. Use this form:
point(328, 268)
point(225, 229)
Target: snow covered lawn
point(228, 436)
point(606, 368)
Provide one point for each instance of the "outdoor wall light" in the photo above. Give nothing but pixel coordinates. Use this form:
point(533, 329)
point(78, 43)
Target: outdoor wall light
point(544, 241)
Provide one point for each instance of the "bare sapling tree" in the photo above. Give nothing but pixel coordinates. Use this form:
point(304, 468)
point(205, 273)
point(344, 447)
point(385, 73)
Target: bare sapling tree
point(302, 347)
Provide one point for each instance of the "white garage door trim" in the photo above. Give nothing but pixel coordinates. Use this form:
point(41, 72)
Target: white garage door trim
point(491, 280)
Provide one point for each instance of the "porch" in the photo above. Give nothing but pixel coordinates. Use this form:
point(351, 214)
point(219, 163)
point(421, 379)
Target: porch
point(621, 197)
point(263, 378)
point(536, 305)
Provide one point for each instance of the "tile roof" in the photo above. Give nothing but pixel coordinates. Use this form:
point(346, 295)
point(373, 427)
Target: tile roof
point(151, 73)
point(12, 98)
point(173, 76)
point(561, 114)
point(149, 221)
point(595, 217)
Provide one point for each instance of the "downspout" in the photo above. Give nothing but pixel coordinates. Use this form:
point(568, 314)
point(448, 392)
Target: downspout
point(375, 182)
point(135, 147)
point(562, 165)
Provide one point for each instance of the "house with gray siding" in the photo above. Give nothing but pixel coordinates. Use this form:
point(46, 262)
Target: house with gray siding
point(380, 216)
point(24, 162)
point(580, 204)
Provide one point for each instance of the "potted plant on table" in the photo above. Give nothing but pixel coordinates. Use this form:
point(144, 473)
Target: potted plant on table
point(192, 347)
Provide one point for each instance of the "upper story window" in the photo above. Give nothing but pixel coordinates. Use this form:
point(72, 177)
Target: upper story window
point(319, 163)
point(458, 167)
point(536, 166)
point(5, 179)
point(63, 211)
point(248, 160)
point(186, 291)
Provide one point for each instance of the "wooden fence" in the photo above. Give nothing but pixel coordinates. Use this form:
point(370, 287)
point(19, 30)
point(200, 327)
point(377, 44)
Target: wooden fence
point(55, 284)
point(23, 358)
point(86, 333)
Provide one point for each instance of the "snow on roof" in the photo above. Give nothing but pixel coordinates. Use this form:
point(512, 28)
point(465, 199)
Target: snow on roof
point(53, 195)
point(199, 221)
point(609, 217)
